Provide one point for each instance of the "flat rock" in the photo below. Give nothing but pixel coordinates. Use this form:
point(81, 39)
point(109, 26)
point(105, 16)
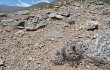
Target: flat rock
point(41, 24)
point(34, 26)
point(30, 28)
point(55, 16)
point(9, 22)
point(52, 33)
point(24, 12)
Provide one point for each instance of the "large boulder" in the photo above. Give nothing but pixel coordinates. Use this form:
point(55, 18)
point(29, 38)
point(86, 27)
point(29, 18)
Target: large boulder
point(99, 48)
point(19, 33)
point(34, 27)
point(12, 22)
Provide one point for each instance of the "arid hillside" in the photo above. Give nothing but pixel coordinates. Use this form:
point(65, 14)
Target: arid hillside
point(68, 36)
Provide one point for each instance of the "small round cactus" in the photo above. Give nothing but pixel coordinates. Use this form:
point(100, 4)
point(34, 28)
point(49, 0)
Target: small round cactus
point(57, 57)
point(70, 53)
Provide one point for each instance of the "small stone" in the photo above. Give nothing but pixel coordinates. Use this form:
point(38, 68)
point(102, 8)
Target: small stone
point(41, 45)
point(71, 21)
point(91, 25)
point(59, 16)
point(72, 18)
point(36, 45)
point(30, 28)
point(88, 66)
point(2, 62)
point(19, 33)
point(19, 27)
point(1, 31)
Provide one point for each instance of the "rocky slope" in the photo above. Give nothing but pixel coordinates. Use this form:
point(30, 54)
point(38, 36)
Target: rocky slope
point(69, 37)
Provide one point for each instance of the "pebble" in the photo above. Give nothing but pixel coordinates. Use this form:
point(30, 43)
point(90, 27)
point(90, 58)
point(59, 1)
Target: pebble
point(2, 62)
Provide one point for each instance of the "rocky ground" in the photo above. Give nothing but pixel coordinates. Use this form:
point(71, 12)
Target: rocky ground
point(70, 37)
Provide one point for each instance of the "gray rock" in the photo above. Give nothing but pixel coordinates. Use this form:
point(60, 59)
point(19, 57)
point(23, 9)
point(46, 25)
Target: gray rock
point(30, 22)
point(52, 33)
point(2, 62)
point(71, 20)
point(30, 16)
point(99, 3)
point(34, 27)
point(91, 25)
point(99, 48)
point(12, 22)
point(24, 12)
point(8, 22)
point(30, 28)
point(31, 25)
point(20, 23)
point(41, 24)
point(39, 17)
point(55, 16)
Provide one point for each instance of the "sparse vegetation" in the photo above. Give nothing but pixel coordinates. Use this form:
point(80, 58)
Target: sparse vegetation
point(69, 53)
point(34, 39)
point(50, 6)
